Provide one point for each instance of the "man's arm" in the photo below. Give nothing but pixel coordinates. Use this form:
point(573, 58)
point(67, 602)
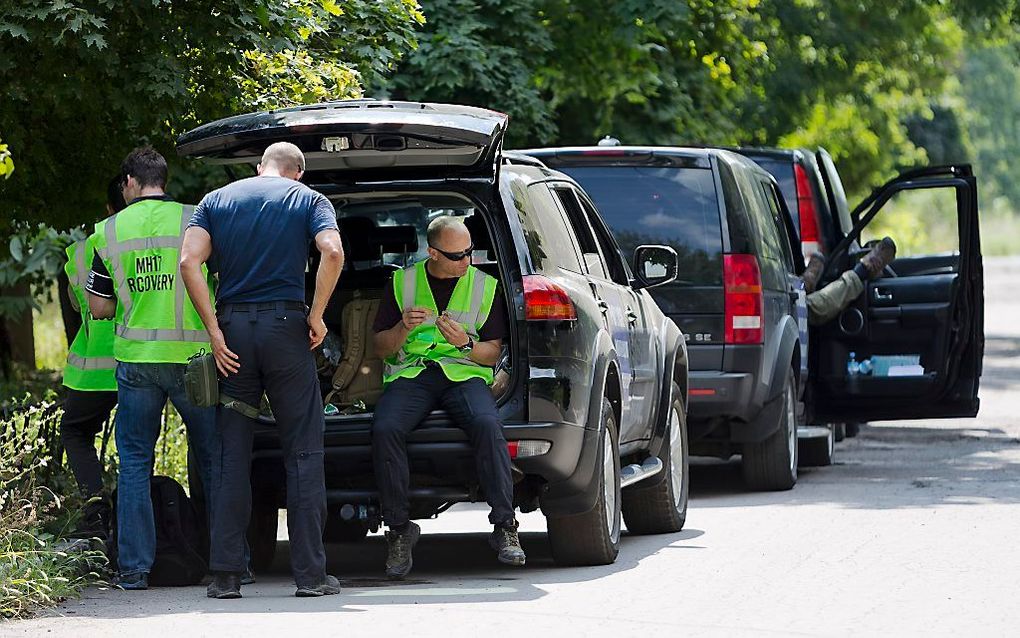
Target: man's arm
point(486, 353)
point(195, 251)
point(102, 301)
point(332, 262)
point(388, 342)
point(101, 307)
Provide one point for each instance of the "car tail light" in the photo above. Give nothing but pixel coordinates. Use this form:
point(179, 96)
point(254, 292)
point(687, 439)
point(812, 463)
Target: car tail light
point(524, 449)
point(743, 299)
point(546, 301)
point(808, 213)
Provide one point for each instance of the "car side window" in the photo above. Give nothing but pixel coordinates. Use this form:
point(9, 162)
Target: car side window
point(777, 221)
point(766, 227)
point(618, 271)
point(550, 242)
point(582, 231)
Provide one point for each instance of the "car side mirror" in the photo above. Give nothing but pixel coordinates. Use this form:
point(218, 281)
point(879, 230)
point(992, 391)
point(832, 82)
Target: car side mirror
point(654, 266)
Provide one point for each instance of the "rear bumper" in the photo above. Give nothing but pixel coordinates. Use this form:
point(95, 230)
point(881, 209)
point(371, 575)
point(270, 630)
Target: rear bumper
point(441, 459)
point(721, 394)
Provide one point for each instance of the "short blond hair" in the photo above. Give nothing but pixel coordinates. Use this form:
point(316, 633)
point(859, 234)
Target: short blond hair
point(440, 224)
point(284, 156)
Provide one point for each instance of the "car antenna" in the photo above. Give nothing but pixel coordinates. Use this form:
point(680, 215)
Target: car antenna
point(609, 140)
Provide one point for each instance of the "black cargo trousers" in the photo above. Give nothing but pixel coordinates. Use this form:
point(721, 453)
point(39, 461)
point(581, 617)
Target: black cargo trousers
point(85, 414)
point(271, 342)
point(403, 406)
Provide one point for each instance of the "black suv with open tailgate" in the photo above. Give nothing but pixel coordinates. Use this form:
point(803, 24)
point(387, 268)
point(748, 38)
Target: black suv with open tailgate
point(592, 389)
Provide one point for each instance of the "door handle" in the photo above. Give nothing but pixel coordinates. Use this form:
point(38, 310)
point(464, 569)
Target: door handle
point(631, 316)
point(881, 296)
point(603, 306)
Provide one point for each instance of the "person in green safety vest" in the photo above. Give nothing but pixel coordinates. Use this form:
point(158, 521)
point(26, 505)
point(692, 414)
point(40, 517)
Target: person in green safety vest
point(136, 280)
point(440, 330)
point(91, 388)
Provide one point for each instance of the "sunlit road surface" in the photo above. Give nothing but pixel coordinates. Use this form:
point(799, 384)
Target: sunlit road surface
point(913, 531)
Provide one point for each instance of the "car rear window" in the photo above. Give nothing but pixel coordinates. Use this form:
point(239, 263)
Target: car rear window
point(674, 206)
point(782, 170)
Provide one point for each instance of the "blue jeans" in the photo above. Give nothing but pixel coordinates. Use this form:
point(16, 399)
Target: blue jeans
point(142, 392)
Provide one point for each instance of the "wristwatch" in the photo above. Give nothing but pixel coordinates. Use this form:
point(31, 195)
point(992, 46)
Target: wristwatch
point(466, 348)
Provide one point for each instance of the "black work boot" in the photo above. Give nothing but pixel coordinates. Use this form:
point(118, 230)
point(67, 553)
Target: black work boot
point(398, 559)
point(224, 586)
point(504, 539)
point(813, 272)
point(328, 587)
point(881, 255)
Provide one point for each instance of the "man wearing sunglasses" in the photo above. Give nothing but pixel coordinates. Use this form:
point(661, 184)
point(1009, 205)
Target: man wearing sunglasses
point(439, 330)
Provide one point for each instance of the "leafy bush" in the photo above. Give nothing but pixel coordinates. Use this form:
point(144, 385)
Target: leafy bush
point(35, 568)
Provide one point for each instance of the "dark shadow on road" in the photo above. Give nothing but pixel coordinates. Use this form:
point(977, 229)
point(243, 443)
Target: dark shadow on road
point(448, 569)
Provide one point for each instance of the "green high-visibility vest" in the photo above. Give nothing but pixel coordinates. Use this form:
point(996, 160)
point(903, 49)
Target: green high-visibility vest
point(469, 305)
point(90, 363)
point(155, 320)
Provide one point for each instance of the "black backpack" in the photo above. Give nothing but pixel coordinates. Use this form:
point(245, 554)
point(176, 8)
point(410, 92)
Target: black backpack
point(182, 547)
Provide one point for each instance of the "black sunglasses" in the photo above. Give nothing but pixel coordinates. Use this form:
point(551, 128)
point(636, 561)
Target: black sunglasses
point(455, 256)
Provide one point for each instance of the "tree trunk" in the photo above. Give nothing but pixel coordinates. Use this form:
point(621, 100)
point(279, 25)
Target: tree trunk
point(17, 338)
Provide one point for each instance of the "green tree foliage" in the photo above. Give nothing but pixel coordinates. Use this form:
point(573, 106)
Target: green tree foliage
point(570, 71)
point(85, 81)
point(856, 76)
point(990, 88)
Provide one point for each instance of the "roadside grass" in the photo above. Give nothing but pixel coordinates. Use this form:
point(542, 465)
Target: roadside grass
point(36, 568)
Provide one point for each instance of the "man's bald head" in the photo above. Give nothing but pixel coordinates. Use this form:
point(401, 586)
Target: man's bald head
point(283, 158)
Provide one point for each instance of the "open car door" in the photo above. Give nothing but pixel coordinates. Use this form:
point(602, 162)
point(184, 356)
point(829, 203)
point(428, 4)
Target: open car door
point(917, 331)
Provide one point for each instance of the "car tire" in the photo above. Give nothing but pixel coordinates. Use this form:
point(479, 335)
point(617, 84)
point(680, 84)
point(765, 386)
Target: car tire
point(852, 430)
point(817, 452)
point(339, 530)
point(659, 505)
point(839, 431)
point(772, 464)
point(593, 537)
point(265, 519)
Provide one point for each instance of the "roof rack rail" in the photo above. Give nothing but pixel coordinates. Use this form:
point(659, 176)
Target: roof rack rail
point(510, 157)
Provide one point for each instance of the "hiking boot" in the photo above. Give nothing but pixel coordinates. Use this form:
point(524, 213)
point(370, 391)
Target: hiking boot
point(328, 587)
point(813, 272)
point(133, 582)
point(398, 558)
point(224, 586)
point(505, 540)
point(880, 256)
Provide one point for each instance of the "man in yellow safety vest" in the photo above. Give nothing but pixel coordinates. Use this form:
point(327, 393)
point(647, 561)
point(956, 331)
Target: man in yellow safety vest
point(91, 387)
point(440, 330)
point(136, 280)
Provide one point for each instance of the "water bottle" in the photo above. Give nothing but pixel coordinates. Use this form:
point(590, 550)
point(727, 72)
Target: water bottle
point(866, 367)
point(852, 367)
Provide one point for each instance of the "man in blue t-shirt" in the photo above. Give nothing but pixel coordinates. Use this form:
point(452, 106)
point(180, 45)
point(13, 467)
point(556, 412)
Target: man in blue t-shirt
point(257, 231)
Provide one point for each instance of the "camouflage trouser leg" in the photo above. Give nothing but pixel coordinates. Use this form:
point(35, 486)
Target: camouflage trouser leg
point(825, 304)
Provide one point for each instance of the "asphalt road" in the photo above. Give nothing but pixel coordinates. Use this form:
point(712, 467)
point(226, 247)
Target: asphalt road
point(911, 532)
